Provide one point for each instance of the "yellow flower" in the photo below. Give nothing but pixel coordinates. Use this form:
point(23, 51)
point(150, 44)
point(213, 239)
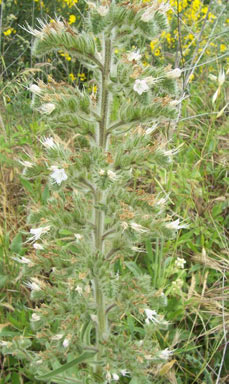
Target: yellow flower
point(223, 47)
point(153, 44)
point(70, 3)
point(71, 76)
point(157, 52)
point(94, 88)
point(65, 55)
point(9, 31)
point(72, 19)
point(211, 17)
point(191, 77)
point(82, 76)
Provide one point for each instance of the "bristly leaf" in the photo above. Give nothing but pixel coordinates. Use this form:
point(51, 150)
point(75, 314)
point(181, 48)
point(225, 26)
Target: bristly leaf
point(85, 356)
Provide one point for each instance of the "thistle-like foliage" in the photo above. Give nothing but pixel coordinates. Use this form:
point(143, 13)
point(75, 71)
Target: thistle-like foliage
point(93, 305)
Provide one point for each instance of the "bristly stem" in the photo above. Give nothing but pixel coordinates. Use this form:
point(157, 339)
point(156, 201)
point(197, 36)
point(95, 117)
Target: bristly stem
point(102, 325)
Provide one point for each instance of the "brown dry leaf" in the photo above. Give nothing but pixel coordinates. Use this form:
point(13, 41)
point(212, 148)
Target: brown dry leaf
point(167, 367)
point(172, 376)
point(136, 73)
point(109, 158)
point(82, 275)
point(4, 325)
point(6, 305)
point(192, 286)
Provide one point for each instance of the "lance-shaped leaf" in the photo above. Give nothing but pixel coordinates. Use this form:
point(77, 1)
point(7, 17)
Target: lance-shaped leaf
point(82, 45)
point(84, 356)
point(153, 111)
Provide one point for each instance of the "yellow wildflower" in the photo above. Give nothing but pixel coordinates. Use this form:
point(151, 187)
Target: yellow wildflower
point(157, 52)
point(211, 17)
point(153, 44)
point(65, 55)
point(72, 19)
point(82, 76)
point(70, 3)
point(223, 47)
point(9, 31)
point(71, 76)
point(94, 88)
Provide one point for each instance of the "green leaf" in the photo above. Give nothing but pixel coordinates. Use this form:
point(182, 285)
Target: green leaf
point(27, 185)
point(45, 194)
point(84, 356)
point(5, 333)
point(15, 378)
point(65, 232)
point(3, 280)
point(16, 244)
point(133, 268)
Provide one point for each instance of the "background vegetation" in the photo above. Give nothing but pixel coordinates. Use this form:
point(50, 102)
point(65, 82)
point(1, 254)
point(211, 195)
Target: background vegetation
point(197, 181)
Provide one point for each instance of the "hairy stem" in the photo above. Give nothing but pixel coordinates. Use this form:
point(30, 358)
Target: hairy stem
point(102, 325)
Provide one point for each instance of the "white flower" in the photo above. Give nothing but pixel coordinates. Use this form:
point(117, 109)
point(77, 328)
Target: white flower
point(22, 260)
point(37, 232)
point(35, 89)
point(33, 286)
point(94, 318)
point(108, 376)
point(134, 56)
point(175, 225)
point(140, 86)
point(78, 237)
point(151, 315)
point(165, 354)
point(79, 290)
point(174, 74)
point(138, 228)
point(101, 172)
point(58, 175)
point(35, 317)
point(112, 175)
point(180, 262)
point(102, 10)
point(58, 336)
point(66, 342)
point(47, 108)
point(49, 143)
point(177, 283)
point(38, 246)
point(124, 372)
point(115, 376)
